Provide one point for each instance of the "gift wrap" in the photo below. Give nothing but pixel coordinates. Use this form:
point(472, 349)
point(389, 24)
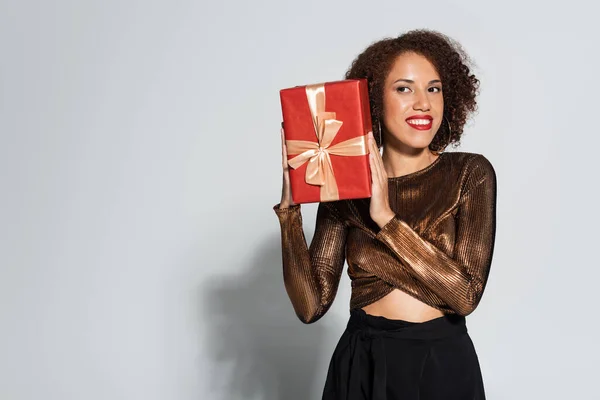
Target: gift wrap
point(326, 127)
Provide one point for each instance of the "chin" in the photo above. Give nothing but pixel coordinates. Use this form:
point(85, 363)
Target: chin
point(418, 143)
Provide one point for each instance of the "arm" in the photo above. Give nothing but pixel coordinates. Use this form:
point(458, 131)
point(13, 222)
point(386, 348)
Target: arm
point(459, 280)
point(312, 274)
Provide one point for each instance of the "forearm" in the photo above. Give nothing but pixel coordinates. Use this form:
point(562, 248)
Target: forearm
point(432, 267)
point(459, 277)
point(310, 274)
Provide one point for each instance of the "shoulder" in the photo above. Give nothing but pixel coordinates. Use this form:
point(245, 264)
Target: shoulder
point(472, 164)
point(332, 209)
point(475, 169)
point(468, 159)
point(347, 210)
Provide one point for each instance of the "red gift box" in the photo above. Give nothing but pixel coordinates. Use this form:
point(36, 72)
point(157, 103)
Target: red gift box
point(326, 128)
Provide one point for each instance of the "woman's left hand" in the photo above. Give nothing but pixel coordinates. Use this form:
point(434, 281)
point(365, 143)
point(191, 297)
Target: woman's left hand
point(379, 209)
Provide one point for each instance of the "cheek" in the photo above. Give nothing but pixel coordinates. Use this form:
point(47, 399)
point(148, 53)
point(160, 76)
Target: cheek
point(437, 103)
point(395, 106)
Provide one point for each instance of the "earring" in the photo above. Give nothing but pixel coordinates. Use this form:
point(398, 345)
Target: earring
point(380, 132)
point(449, 134)
point(449, 129)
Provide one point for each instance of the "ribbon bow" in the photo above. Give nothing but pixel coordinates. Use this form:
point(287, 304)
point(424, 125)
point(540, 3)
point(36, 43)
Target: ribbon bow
point(319, 170)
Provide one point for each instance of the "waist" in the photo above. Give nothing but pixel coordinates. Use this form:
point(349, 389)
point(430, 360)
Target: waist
point(366, 338)
point(401, 305)
point(366, 291)
point(377, 326)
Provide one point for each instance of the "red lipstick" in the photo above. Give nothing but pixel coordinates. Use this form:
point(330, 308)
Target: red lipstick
point(421, 126)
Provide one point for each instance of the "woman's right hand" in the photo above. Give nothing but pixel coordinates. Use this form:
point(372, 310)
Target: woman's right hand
point(286, 190)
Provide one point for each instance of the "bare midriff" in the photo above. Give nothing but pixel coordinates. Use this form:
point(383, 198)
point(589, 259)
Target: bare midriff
point(400, 305)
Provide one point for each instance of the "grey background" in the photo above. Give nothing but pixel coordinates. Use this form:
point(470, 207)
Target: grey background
point(140, 159)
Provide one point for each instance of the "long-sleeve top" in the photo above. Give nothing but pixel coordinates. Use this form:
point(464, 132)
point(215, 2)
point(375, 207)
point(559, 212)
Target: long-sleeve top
point(438, 247)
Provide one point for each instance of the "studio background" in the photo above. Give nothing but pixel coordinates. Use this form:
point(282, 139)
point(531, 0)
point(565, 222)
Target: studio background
point(140, 160)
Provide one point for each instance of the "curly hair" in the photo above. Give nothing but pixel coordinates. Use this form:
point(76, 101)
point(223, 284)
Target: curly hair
point(461, 87)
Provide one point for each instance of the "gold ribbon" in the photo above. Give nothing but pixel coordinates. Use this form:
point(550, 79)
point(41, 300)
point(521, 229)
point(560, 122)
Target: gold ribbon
point(319, 170)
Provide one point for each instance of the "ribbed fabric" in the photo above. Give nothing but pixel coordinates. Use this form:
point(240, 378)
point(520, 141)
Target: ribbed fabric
point(438, 247)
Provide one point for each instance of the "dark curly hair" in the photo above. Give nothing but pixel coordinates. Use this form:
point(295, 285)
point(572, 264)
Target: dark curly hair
point(452, 64)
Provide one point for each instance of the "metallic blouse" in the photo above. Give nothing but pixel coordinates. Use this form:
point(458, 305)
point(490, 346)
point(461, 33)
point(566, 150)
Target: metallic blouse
point(438, 247)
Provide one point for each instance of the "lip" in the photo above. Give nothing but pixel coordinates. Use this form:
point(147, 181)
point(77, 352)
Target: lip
point(420, 127)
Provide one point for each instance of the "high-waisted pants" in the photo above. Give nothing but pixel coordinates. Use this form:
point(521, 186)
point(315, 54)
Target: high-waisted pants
point(383, 359)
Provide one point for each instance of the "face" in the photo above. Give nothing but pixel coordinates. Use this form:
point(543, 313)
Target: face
point(413, 104)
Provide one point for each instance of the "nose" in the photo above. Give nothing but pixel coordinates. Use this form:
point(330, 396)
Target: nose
point(421, 101)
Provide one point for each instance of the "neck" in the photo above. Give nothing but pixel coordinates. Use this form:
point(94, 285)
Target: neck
point(398, 163)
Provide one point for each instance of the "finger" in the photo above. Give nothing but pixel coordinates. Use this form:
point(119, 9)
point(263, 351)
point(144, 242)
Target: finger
point(374, 152)
point(283, 150)
point(371, 158)
point(378, 160)
point(372, 165)
point(375, 168)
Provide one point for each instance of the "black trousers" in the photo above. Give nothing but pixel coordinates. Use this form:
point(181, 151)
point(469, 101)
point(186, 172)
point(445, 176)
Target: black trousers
point(382, 359)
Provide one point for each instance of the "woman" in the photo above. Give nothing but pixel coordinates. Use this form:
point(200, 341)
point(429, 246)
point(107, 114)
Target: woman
point(419, 250)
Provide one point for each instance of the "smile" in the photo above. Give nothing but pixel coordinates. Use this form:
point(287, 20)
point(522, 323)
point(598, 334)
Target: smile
point(421, 123)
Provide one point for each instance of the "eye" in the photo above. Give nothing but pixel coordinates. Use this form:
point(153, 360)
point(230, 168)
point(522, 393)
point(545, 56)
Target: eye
point(399, 89)
point(435, 89)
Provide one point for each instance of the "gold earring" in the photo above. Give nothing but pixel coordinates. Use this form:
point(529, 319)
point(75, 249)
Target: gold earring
point(449, 134)
point(449, 128)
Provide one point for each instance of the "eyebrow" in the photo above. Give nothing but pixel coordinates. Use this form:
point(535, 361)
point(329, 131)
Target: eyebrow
point(411, 81)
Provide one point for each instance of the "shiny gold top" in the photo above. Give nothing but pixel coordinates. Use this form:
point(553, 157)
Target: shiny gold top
point(438, 248)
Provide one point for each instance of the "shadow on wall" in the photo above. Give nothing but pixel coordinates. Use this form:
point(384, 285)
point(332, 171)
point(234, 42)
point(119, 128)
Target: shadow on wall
point(257, 345)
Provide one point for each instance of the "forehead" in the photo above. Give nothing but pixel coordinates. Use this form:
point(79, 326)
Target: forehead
point(412, 66)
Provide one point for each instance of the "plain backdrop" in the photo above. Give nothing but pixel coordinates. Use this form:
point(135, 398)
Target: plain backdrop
point(140, 159)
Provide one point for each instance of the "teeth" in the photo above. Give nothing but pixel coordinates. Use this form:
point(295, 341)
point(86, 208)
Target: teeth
point(419, 121)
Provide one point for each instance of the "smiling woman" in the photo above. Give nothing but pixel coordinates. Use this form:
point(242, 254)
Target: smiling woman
point(413, 108)
point(419, 251)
